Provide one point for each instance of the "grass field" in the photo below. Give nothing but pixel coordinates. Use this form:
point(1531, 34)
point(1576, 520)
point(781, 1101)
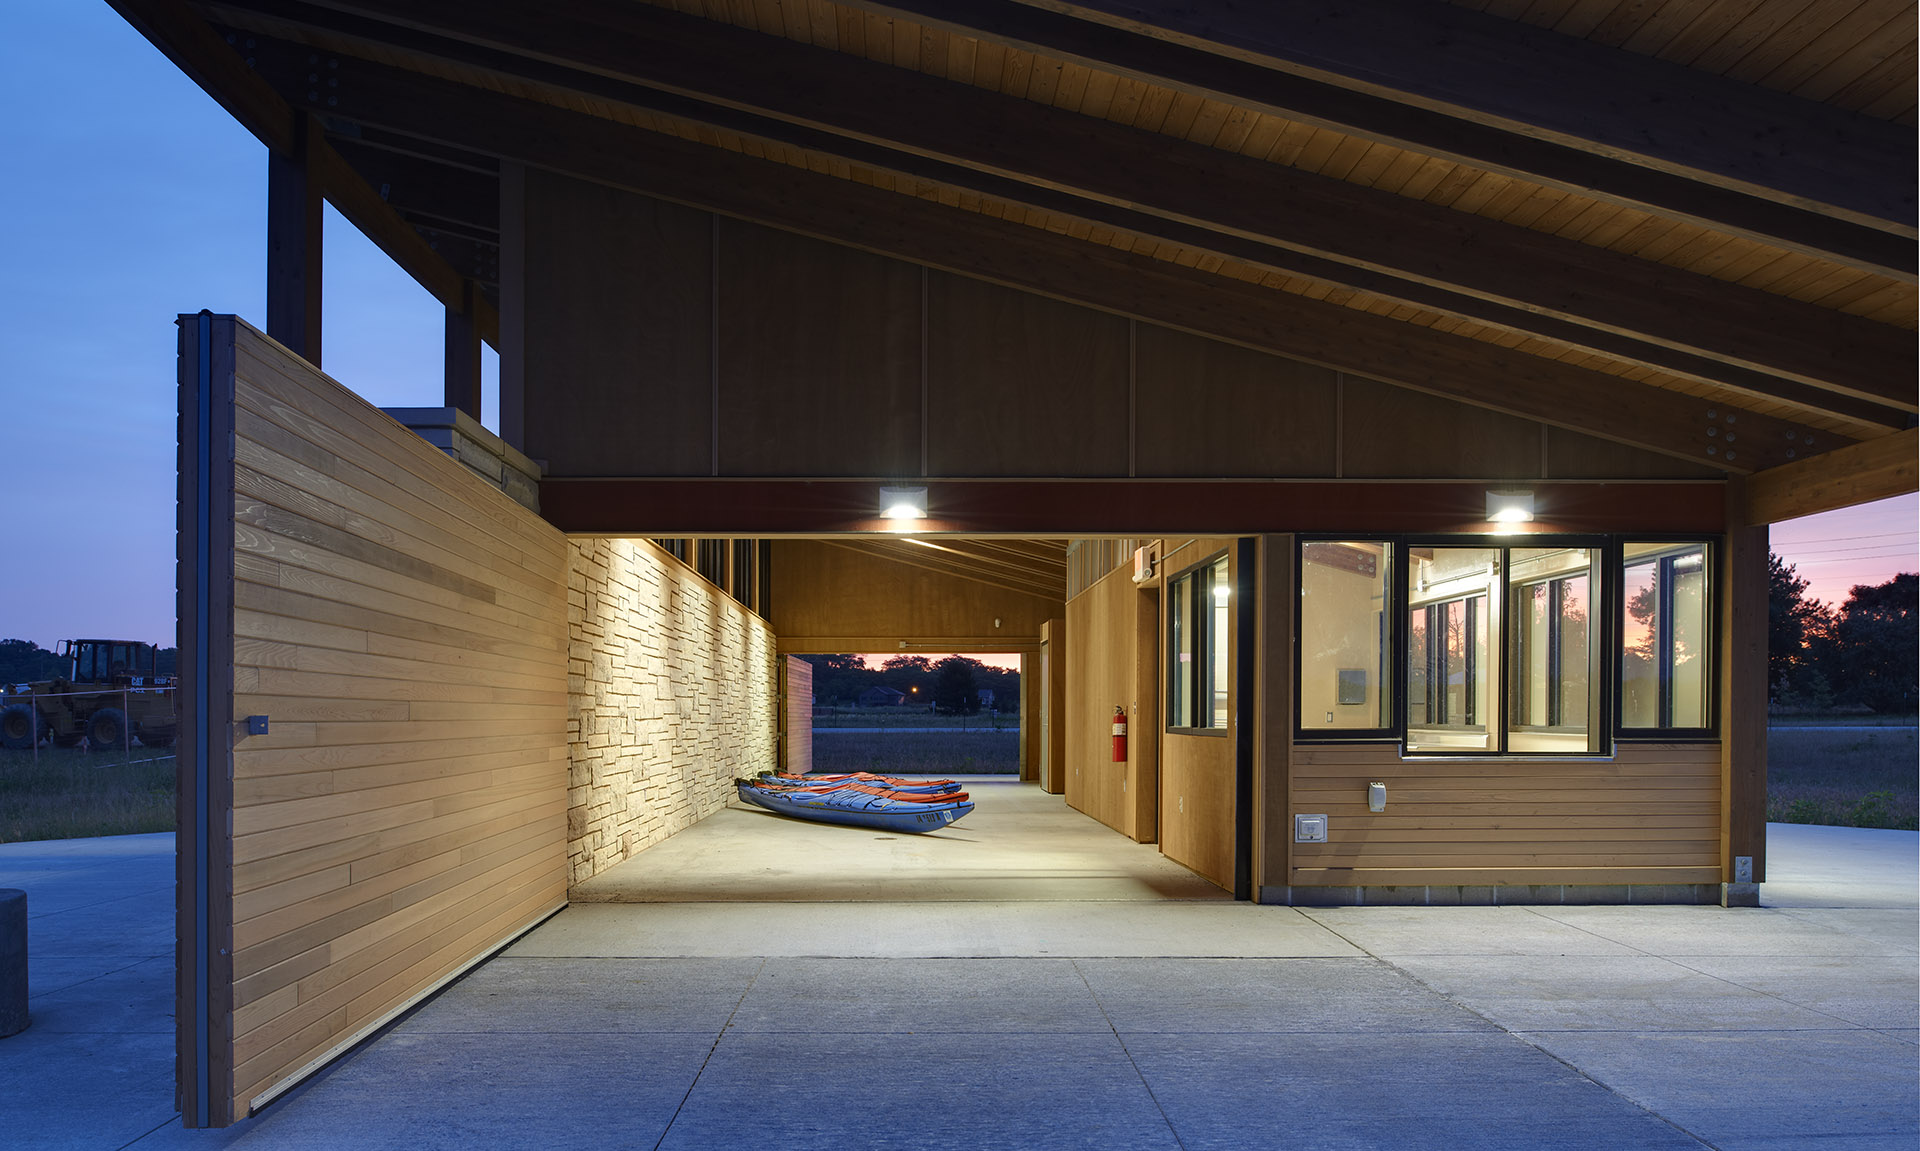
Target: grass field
point(918, 753)
point(907, 718)
point(1827, 775)
point(70, 794)
point(1842, 777)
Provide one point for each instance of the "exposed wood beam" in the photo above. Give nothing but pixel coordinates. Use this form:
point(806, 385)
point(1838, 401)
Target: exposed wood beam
point(1266, 84)
point(225, 74)
point(1292, 221)
point(210, 62)
point(1859, 473)
point(422, 189)
point(907, 228)
point(1539, 84)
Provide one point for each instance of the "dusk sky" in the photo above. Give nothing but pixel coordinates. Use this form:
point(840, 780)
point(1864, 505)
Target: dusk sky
point(131, 197)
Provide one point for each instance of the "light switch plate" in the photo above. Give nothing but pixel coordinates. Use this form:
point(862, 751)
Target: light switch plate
point(1309, 829)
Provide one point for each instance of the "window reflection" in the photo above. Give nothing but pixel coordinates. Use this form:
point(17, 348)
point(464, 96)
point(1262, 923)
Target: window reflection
point(1664, 636)
point(1450, 613)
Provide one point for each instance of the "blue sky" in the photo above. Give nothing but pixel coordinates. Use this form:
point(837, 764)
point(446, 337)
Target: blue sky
point(129, 198)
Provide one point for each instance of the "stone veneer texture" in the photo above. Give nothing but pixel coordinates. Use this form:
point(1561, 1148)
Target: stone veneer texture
point(672, 692)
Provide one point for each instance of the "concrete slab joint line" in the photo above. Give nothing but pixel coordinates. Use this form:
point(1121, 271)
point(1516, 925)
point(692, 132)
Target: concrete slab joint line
point(1056, 978)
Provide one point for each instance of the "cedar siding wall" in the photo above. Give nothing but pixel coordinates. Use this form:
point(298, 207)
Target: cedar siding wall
point(1648, 815)
point(403, 625)
point(672, 692)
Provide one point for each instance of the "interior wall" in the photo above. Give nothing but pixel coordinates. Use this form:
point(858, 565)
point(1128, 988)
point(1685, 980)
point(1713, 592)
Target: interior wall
point(672, 693)
point(400, 624)
point(1107, 666)
point(665, 341)
point(1197, 772)
point(830, 599)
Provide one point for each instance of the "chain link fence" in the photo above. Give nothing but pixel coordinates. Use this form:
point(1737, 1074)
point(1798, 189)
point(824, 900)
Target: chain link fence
point(121, 725)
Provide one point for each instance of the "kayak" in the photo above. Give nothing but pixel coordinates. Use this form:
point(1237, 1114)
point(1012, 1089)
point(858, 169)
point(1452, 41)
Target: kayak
point(892, 782)
point(859, 805)
point(861, 779)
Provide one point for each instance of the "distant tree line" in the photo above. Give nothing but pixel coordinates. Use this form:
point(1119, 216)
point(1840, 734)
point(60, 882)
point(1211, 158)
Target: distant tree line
point(950, 686)
point(1865, 654)
point(23, 661)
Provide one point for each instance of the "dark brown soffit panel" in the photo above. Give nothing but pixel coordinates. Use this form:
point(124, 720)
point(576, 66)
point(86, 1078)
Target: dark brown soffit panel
point(1044, 507)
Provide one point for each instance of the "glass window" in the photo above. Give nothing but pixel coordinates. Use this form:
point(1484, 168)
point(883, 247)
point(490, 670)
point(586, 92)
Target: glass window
point(1180, 670)
point(1450, 665)
point(1553, 684)
point(1345, 636)
point(1664, 637)
point(1199, 671)
point(1219, 673)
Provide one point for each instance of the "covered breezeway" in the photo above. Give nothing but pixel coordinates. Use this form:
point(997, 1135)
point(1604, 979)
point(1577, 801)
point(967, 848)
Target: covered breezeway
point(1019, 845)
point(1085, 274)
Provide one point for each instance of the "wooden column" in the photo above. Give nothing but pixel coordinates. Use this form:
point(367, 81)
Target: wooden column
point(1743, 702)
point(1273, 713)
point(295, 210)
point(1053, 707)
point(203, 753)
point(463, 352)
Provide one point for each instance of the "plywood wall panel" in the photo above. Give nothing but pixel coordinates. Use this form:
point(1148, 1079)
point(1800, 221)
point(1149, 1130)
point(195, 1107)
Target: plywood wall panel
point(833, 599)
point(819, 369)
point(1572, 456)
point(1099, 678)
point(1214, 409)
point(1021, 385)
point(402, 624)
point(1197, 772)
point(619, 332)
point(1389, 432)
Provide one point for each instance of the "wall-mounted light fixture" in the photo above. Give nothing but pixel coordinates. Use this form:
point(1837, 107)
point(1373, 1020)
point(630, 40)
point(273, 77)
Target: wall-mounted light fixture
point(903, 503)
point(1514, 507)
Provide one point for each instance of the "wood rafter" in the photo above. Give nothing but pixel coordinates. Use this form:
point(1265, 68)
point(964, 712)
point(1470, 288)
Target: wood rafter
point(1856, 474)
point(961, 559)
point(204, 56)
point(1538, 89)
point(909, 228)
point(1273, 217)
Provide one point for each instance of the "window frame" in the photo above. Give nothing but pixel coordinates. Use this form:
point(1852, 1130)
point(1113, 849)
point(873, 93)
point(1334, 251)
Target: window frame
point(1606, 601)
point(1201, 667)
point(1389, 658)
point(1616, 640)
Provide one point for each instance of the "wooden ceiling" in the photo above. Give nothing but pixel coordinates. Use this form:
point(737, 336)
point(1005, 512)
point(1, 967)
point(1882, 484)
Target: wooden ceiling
point(1036, 567)
point(1642, 220)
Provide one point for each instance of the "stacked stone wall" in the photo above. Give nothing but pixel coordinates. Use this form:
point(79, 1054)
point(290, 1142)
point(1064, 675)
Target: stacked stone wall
point(672, 693)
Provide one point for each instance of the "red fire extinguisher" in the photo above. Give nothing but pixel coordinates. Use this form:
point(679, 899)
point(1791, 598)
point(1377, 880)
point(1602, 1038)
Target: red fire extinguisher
point(1119, 734)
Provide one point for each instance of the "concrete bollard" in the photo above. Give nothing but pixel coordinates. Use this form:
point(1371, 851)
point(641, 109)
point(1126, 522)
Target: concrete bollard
point(13, 961)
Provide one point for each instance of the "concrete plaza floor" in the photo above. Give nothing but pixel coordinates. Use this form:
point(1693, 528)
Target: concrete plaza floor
point(1028, 979)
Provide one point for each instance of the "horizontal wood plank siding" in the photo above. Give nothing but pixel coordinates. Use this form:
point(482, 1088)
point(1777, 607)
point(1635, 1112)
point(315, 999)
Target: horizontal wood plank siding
point(1650, 814)
point(403, 625)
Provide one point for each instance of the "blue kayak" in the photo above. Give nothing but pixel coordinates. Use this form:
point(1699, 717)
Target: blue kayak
point(856, 808)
